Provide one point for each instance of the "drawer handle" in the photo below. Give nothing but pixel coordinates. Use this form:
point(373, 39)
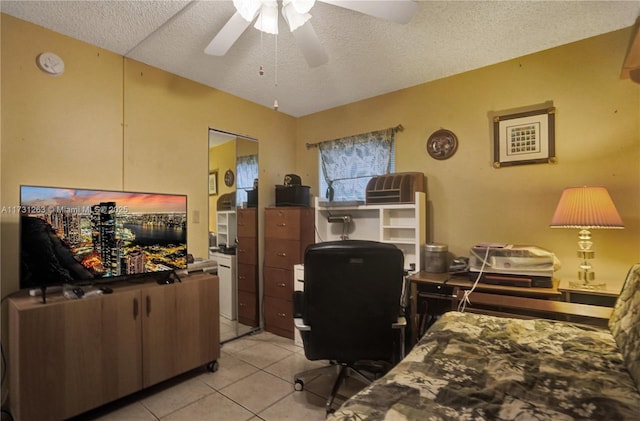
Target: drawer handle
point(281, 284)
point(241, 250)
point(242, 277)
point(148, 305)
point(135, 309)
point(282, 254)
point(282, 314)
point(282, 224)
point(242, 304)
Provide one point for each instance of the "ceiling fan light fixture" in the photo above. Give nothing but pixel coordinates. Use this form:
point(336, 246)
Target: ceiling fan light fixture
point(293, 16)
point(248, 9)
point(301, 6)
point(268, 17)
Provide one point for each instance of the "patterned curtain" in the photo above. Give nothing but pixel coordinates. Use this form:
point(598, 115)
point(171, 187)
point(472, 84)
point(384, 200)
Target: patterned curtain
point(246, 172)
point(349, 163)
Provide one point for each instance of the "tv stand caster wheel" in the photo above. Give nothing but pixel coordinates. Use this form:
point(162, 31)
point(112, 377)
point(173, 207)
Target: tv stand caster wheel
point(213, 366)
point(298, 385)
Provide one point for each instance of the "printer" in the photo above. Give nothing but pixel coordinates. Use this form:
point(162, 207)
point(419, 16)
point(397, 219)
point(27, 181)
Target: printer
point(513, 265)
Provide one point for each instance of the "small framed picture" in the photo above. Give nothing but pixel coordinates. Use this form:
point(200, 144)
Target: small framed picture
point(524, 138)
point(213, 183)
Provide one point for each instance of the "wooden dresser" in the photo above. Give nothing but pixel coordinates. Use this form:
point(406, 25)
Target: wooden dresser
point(247, 254)
point(288, 232)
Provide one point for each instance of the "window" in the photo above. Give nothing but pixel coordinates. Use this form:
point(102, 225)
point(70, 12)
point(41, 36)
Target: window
point(246, 172)
point(347, 164)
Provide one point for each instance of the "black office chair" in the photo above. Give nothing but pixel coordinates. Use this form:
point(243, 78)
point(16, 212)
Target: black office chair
point(349, 311)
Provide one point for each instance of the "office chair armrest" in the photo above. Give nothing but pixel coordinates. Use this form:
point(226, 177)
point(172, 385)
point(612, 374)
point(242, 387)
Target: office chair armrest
point(299, 324)
point(400, 323)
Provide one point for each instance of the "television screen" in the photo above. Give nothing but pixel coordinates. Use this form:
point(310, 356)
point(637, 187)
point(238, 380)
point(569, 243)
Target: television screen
point(76, 235)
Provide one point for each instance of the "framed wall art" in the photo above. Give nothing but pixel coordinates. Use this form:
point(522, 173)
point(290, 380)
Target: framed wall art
point(213, 183)
point(524, 138)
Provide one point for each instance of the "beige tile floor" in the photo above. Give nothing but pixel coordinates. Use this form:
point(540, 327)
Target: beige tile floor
point(254, 382)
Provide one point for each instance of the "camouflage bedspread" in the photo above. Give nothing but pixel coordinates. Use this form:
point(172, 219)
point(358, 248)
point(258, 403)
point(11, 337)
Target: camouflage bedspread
point(477, 367)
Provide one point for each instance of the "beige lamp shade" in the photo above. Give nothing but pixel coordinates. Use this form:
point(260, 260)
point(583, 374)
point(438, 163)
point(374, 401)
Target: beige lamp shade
point(586, 207)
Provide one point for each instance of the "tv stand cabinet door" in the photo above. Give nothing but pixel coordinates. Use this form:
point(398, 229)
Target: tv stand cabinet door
point(122, 342)
point(159, 333)
point(56, 358)
point(180, 327)
point(197, 322)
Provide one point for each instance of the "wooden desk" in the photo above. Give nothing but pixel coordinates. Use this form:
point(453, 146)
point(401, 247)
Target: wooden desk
point(448, 290)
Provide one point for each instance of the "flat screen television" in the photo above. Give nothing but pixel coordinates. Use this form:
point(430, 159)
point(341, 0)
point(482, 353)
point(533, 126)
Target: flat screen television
point(75, 236)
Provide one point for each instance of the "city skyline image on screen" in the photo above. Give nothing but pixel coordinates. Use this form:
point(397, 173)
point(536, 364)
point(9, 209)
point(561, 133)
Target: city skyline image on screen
point(74, 235)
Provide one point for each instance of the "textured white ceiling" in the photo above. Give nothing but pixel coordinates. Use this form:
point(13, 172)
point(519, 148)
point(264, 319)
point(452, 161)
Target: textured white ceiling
point(367, 56)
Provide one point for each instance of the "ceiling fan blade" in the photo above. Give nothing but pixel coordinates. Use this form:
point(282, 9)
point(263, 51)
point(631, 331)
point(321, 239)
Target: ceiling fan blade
point(309, 43)
point(399, 11)
point(227, 36)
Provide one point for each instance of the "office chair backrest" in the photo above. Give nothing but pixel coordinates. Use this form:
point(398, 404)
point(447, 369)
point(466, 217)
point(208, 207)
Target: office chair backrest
point(352, 292)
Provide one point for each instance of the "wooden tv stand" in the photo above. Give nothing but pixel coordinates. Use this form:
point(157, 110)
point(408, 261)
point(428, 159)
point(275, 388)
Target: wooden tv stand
point(69, 356)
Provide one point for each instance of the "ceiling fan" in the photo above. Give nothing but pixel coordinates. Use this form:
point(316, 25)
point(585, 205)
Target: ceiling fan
point(296, 14)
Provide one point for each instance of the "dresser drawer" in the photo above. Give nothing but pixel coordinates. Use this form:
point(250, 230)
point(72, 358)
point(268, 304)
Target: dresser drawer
point(247, 250)
point(282, 223)
point(279, 316)
point(278, 283)
point(247, 277)
point(247, 308)
point(247, 222)
point(282, 253)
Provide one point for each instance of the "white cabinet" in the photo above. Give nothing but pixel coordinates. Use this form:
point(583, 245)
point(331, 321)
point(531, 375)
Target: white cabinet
point(226, 226)
point(228, 284)
point(401, 224)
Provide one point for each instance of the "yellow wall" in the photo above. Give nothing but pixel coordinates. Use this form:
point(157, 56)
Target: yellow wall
point(221, 158)
point(597, 143)
point(114, 123)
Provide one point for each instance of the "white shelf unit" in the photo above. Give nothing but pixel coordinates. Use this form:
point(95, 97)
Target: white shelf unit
point(298, 285)
point(226, 225)
point(401, 224)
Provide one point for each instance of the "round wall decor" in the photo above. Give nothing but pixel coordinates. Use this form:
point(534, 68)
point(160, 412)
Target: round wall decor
point(442, 144)
point(229, 178)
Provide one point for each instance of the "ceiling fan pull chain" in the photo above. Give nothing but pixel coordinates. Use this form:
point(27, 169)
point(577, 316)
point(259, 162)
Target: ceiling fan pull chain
point(275, 72)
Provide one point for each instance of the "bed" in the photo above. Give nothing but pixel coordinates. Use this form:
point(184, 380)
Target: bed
point(479, 367)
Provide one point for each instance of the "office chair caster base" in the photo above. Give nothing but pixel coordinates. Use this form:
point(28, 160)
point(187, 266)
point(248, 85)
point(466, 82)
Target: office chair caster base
point(298, 385)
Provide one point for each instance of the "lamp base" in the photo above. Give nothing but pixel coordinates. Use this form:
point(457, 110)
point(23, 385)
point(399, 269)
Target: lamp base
point(593, 284)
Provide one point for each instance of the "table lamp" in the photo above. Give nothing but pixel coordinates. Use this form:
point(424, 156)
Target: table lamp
point(586, 208)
